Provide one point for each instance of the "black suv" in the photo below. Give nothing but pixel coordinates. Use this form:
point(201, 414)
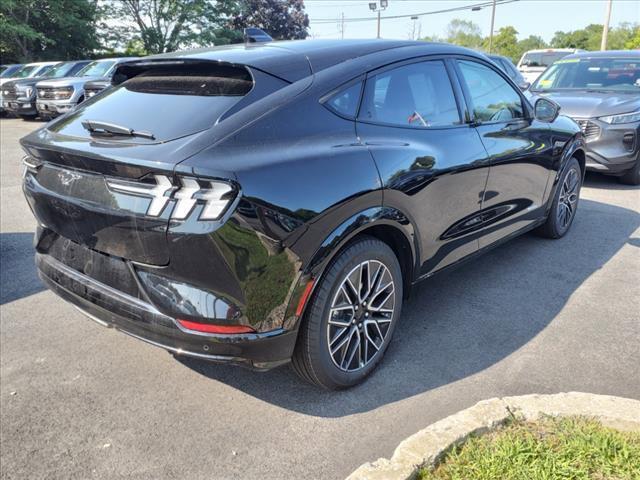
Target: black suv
point(274, 202)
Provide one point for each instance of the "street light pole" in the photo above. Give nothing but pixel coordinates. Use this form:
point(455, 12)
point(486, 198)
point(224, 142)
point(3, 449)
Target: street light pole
point(605, 28)
point(493, 17)
point(373, 6)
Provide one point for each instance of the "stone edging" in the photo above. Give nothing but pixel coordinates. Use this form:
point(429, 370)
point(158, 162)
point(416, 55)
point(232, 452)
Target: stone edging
point(427, 446)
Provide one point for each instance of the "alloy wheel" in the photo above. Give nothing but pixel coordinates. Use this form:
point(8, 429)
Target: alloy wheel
point(360, 316)
point(568, 200)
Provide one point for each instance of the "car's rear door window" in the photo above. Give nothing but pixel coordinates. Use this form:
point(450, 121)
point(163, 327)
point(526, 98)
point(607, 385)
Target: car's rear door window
point(493, 99)
point(417, 95)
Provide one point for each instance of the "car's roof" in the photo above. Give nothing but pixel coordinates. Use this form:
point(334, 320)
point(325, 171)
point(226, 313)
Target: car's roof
point(296, 59)
point(551, 50)
point(37, 64)
point(115, 59)
point(606, 54)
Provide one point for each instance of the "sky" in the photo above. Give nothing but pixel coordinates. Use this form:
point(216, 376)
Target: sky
point(529, 17)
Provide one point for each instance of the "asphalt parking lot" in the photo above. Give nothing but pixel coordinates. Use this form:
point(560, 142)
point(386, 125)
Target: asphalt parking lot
point(533, 316)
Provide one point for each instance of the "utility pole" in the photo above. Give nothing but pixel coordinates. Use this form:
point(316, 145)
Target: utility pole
point(493, 17)
point(379, 11)
point(342, 26)
point(605, 29)
point(413, 31)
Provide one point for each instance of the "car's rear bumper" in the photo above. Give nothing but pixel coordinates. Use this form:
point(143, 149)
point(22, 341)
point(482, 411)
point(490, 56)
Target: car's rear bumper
point(142, 320)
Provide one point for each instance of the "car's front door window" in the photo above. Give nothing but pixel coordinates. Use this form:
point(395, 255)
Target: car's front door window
point(492, 98)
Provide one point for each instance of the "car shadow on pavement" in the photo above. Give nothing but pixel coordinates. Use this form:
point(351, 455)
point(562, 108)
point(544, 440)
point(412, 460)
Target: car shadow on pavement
point(606, 182)
point(18, 276)
point(460, 322)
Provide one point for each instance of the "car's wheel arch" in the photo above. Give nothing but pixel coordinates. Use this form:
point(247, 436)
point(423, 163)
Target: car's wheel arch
point(387, 224)
point(575, 148)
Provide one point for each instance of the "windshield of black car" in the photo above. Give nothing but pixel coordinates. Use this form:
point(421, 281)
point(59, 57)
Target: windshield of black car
point(609, 74)
point(541, 59)
point(25, 71)
point(167, 103)
point(96, 69)
point(58, 71)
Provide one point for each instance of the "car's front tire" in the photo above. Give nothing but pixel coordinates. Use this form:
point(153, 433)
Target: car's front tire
point(350, 320)
point(565, 202)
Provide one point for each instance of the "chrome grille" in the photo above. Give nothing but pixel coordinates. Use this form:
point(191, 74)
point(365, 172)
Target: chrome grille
point(589, 128)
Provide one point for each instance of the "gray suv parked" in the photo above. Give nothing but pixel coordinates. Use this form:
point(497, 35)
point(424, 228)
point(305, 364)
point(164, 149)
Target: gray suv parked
point(55, 97)
point(601, 91)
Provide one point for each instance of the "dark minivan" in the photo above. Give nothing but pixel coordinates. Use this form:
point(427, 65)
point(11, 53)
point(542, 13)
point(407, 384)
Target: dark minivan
point(266, 203)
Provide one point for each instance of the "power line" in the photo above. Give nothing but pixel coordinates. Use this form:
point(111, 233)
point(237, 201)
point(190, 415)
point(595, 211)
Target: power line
point(421, 14)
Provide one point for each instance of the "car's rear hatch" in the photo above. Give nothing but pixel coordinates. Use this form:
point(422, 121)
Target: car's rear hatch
point(133, 135)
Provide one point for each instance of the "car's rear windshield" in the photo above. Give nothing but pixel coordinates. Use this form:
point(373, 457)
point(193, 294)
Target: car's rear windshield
point(610, 74)
point(165, 103)
point(96, 69)
point(541, 59)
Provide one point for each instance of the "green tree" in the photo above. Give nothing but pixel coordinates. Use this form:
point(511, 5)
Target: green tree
point(587, 38)
point(47, 29)
point(532, 42)
point(505, 43)
point(633, 42)
point(282, 19)
point(621, 37)
point(464, 33)
point(164, 25)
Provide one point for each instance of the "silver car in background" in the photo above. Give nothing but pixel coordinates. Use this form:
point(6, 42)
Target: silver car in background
point(601, 92)
point(58, 96)
point(30, 70)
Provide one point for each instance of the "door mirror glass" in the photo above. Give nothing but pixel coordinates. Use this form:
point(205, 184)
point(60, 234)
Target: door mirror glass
point(545, 110)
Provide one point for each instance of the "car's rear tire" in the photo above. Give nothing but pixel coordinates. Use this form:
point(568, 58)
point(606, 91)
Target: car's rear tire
point(351, 317)
point(565, 202)
point(632, 177)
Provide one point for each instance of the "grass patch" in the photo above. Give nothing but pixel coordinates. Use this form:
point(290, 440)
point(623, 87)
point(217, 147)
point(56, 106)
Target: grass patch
point(549, 449)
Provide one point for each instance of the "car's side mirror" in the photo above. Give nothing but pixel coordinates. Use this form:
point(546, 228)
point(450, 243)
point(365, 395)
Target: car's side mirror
point(545, 110)
point(524, 85)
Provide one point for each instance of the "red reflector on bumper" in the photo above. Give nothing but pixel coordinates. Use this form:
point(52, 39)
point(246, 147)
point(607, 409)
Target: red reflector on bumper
point(304, 297)
point(209, 328)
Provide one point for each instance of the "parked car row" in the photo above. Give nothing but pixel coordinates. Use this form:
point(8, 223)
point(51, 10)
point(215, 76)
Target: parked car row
point(49, 89)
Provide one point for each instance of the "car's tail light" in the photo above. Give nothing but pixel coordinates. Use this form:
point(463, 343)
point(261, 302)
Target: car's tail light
point(214, 195)
point(210, 328)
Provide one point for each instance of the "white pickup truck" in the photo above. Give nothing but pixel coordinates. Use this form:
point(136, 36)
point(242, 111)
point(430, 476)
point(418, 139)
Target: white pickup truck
point(534, 62)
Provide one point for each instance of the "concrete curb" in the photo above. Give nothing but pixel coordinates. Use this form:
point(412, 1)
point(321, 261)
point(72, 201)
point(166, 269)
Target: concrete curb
point(427, 446)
